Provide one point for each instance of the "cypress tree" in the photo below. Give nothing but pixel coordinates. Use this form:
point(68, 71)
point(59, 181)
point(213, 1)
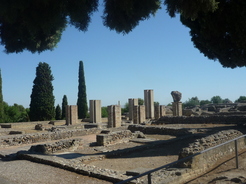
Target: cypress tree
point(82, 98)
point(1, 101)
point(64, 105)
point(42, 98)
point(58, 112)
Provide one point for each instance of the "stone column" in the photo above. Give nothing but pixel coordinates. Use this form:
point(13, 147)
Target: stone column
point(68, 112)
point(132, 102)
point(149, 103)
point(177, 108)
point(162, 110)
point(157, 112)
point(135, 115)
point(95, 111)
point(142, 115)
point(71, 114)
point(114, 116)
point(139, 114)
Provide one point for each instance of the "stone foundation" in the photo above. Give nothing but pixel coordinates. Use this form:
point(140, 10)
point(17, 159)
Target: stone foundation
point(159, 130)
point(114, 137)
point(14, 140)
point(209, 158)
point(201, 120)
point(63, 145)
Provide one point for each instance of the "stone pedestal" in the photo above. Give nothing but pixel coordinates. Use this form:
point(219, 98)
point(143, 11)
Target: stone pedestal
point(114, 116)
point(132, 102)
point(149, 104)
point(95, 111)
point(139, 114)
point(71, 114)
point(177, 108)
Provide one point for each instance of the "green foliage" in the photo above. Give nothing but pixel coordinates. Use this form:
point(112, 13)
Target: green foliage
point(42, 98)
point(220, 35)
point(15, 113)
point(124, 15)
point(226, 100)
point(204, 102)
point(1, 101)
point(125, 109)
point(191, 102)
point(190, 8)
point(156, 103)
point(82, 97)
point(58, 112)
point(64, 106)
point(241, 99)
point(216, 100)
point(140, 101)
point(104, 112)
point(217, 27)
point(37, 25)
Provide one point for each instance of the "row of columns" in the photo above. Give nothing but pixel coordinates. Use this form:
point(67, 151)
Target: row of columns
point(137, 113)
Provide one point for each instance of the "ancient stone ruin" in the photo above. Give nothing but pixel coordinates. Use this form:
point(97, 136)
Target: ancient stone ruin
point(121, 146)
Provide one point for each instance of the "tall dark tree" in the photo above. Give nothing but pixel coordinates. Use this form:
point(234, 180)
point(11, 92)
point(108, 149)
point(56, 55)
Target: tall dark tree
point(1, 101)
point(42, 98)
point(58, 112)
point(82, 97)
point(64, 106)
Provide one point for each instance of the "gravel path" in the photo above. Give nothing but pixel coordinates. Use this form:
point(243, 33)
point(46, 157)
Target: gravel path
point(26, 172)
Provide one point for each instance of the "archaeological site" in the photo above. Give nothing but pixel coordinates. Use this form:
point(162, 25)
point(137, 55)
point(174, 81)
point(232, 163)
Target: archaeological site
point(150, 144)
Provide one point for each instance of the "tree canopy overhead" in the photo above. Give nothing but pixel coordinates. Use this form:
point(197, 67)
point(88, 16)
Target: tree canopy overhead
point(217, 27)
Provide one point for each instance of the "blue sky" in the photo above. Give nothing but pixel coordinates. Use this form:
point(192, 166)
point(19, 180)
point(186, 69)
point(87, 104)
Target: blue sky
point(158, 55)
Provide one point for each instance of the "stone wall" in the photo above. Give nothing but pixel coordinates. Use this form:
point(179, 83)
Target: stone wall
point(201, 120)
point(159, 130)
point(13, 140)
point(30, 125)
point(115, 137)
point(208, 159)
point(62, 145)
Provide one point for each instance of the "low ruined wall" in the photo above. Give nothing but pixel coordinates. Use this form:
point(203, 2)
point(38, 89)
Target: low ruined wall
point(114, 137)
point(209, 158)
point(13, 140)
point(159, 130)
point(201, 120)
point(62, 145)
point(30, 125)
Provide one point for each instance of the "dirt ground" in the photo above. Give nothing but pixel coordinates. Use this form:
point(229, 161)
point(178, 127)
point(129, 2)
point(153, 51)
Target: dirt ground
point(149, 159)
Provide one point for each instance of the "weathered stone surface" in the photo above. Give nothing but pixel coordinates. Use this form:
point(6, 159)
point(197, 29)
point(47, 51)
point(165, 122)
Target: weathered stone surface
point(176, 96)
point(213, 119)
point(39, 127)
point(14, 140)
point(159, 130)
point(56, 147)
point(207, 159)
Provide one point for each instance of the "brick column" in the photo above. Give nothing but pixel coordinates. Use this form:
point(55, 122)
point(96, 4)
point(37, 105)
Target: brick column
point(132, 102)
point(149, 103)
point(114, 116)
point(95, 111)
point(71, 114)
point(177, 108)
